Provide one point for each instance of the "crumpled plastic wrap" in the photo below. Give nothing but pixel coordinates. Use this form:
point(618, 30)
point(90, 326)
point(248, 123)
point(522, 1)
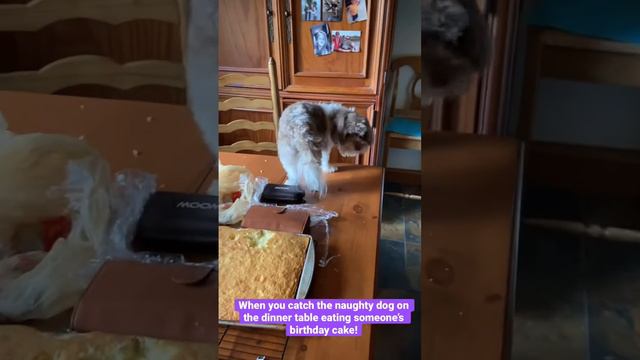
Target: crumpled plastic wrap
point(44, 176)
point(234, 179)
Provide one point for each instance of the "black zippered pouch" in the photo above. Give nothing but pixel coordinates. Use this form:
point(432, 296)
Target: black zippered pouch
point(178, 223)
point(282, 194)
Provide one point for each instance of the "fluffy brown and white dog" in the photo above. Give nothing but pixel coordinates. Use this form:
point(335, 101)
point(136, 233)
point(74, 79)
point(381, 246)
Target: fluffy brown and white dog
point(308, 132)
point(455, 45)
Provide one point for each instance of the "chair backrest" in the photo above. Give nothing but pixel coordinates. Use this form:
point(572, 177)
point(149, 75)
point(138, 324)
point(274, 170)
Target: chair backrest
point(82, 69)
point(243, 103)
point(405, 76)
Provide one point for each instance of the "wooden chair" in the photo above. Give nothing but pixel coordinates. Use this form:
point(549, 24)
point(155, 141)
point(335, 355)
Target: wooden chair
point(553, 54)
point(242, 103)
point(83, 69)
point(403, 126)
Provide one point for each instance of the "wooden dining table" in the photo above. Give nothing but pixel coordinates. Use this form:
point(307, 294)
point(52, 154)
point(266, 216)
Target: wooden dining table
point(355, 193)
point(160, 139)
point(471, 192)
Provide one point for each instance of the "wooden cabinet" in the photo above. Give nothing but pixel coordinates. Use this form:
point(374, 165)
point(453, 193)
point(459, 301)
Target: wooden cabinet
point(253, 30)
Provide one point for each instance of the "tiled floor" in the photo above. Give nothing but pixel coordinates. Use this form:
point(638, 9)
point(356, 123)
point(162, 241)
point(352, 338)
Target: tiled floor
point(576, 298)
point(398, 273)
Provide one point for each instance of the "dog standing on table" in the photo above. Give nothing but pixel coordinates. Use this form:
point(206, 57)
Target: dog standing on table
point(308, 132)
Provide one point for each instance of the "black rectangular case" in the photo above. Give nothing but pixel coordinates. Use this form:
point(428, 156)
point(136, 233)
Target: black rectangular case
point(178, 223)
point(282, 194)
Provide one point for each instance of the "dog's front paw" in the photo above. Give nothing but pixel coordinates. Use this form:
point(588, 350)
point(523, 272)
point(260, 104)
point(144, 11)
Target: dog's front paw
point(329, 169)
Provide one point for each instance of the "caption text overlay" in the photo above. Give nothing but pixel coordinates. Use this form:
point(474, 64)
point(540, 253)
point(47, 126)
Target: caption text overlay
point(314, 317)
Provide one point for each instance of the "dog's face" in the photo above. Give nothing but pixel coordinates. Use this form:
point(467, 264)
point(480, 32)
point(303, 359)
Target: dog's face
point(353, 133)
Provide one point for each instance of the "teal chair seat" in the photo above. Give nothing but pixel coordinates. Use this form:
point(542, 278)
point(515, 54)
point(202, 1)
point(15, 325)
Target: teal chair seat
point(405, 126)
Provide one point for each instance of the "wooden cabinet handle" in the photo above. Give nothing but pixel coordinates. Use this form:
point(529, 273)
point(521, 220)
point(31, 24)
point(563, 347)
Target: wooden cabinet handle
point(269, 12)
point(287, 13)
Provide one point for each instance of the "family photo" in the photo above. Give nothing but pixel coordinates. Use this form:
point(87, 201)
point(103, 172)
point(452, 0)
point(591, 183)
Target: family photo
point(311, 10)
point(346, 41)
point(356, 10)
point(320, 35)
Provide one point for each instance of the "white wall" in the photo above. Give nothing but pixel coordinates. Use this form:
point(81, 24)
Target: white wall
point(406, 42)
point(407, 29)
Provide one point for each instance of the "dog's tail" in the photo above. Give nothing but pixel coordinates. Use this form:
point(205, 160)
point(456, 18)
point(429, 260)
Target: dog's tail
point(310, 173)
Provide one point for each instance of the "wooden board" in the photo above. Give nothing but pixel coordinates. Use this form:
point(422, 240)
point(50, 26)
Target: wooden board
point(165, 138)
point(355, 193)
point(470, 188)
point(241, 343)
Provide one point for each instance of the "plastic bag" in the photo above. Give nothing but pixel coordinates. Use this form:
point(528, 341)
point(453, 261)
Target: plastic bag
point(238, 190)
point(44, 176)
